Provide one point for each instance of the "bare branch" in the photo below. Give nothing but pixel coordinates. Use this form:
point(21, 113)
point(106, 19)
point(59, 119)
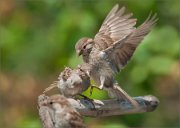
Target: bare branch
point(101, 108)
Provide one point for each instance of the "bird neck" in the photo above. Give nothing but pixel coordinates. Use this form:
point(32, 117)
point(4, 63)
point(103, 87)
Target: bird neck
point(86, 58)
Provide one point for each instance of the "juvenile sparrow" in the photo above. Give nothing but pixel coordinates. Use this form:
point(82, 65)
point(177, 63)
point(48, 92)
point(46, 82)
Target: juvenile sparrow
point(112, 47)
point(63, 115)
point(45, 112)
point(71, 82)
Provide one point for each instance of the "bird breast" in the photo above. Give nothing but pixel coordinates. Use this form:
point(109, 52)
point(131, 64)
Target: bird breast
point(100, 67)
point(72, 86)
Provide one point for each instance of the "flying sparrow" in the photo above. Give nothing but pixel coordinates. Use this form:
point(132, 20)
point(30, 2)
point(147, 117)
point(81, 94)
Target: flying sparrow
point(63, 115)
point(71, 82)
point(112, 47)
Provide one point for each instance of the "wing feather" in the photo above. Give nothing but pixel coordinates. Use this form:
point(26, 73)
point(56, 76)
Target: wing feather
point(115, 27)
point(122, 51)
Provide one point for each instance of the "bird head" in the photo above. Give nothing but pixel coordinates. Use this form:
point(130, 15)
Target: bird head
point(84, 45)
point(57, 102)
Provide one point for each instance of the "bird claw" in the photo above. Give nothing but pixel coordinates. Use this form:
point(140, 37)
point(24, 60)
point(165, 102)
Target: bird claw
point(91, 90)
point(92, 87)
point(101, 87)
point(90, 100)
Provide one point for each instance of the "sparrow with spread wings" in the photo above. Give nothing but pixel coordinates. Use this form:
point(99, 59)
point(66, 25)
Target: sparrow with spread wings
point(112, 47)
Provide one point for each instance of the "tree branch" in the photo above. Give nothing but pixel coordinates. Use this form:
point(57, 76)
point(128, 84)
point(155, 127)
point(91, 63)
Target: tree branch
point(98, 108)
point(101, 108)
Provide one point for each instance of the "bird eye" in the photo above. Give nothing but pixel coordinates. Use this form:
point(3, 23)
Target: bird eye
point(84, 46)
point(51, 102)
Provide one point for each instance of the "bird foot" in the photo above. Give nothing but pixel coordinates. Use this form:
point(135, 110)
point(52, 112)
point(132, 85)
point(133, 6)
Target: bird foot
point(92, 87)
point(91, 100)
point(101, 87)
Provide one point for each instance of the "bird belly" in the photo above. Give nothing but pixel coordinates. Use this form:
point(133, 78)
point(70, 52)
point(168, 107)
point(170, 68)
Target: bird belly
point(102, 69)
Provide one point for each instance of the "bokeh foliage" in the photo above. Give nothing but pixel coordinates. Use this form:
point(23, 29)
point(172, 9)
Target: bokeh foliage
point(37, 39)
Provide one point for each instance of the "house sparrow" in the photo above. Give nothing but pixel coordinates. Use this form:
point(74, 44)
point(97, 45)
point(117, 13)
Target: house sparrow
point(71, 82)
point(112, 47)
point(45, 112)
point(63, 115)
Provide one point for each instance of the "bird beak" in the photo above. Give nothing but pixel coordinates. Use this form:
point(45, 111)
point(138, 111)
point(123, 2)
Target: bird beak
point(79, 52)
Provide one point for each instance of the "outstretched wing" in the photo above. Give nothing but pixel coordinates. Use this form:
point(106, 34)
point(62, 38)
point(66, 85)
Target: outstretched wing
point(115, 27)
point(121, 51)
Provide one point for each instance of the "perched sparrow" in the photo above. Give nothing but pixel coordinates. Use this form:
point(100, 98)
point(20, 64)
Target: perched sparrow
point(45, 112)
point(72, 82)
point(63, 115)
point(112, 47)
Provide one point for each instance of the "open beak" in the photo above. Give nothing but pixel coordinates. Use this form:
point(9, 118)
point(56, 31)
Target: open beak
point(79, 52)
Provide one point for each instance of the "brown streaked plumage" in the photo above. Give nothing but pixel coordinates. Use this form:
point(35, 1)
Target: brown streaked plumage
point(62, 113)
point(71, 82)
point(112, 47)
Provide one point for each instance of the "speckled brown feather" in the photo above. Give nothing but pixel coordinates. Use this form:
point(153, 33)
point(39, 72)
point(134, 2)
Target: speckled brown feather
point(115, 27)
point(72, 119)
point(122, 51)
point(71, 82)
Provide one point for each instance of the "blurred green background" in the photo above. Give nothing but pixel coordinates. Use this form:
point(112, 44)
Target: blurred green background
point(37, 39)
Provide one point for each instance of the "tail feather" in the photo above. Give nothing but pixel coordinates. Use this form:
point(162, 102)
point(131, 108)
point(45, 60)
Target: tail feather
point(51, 87)
point(119, 93)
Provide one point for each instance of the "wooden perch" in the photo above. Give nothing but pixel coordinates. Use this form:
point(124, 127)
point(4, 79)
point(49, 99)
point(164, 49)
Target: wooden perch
point(101, 108)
